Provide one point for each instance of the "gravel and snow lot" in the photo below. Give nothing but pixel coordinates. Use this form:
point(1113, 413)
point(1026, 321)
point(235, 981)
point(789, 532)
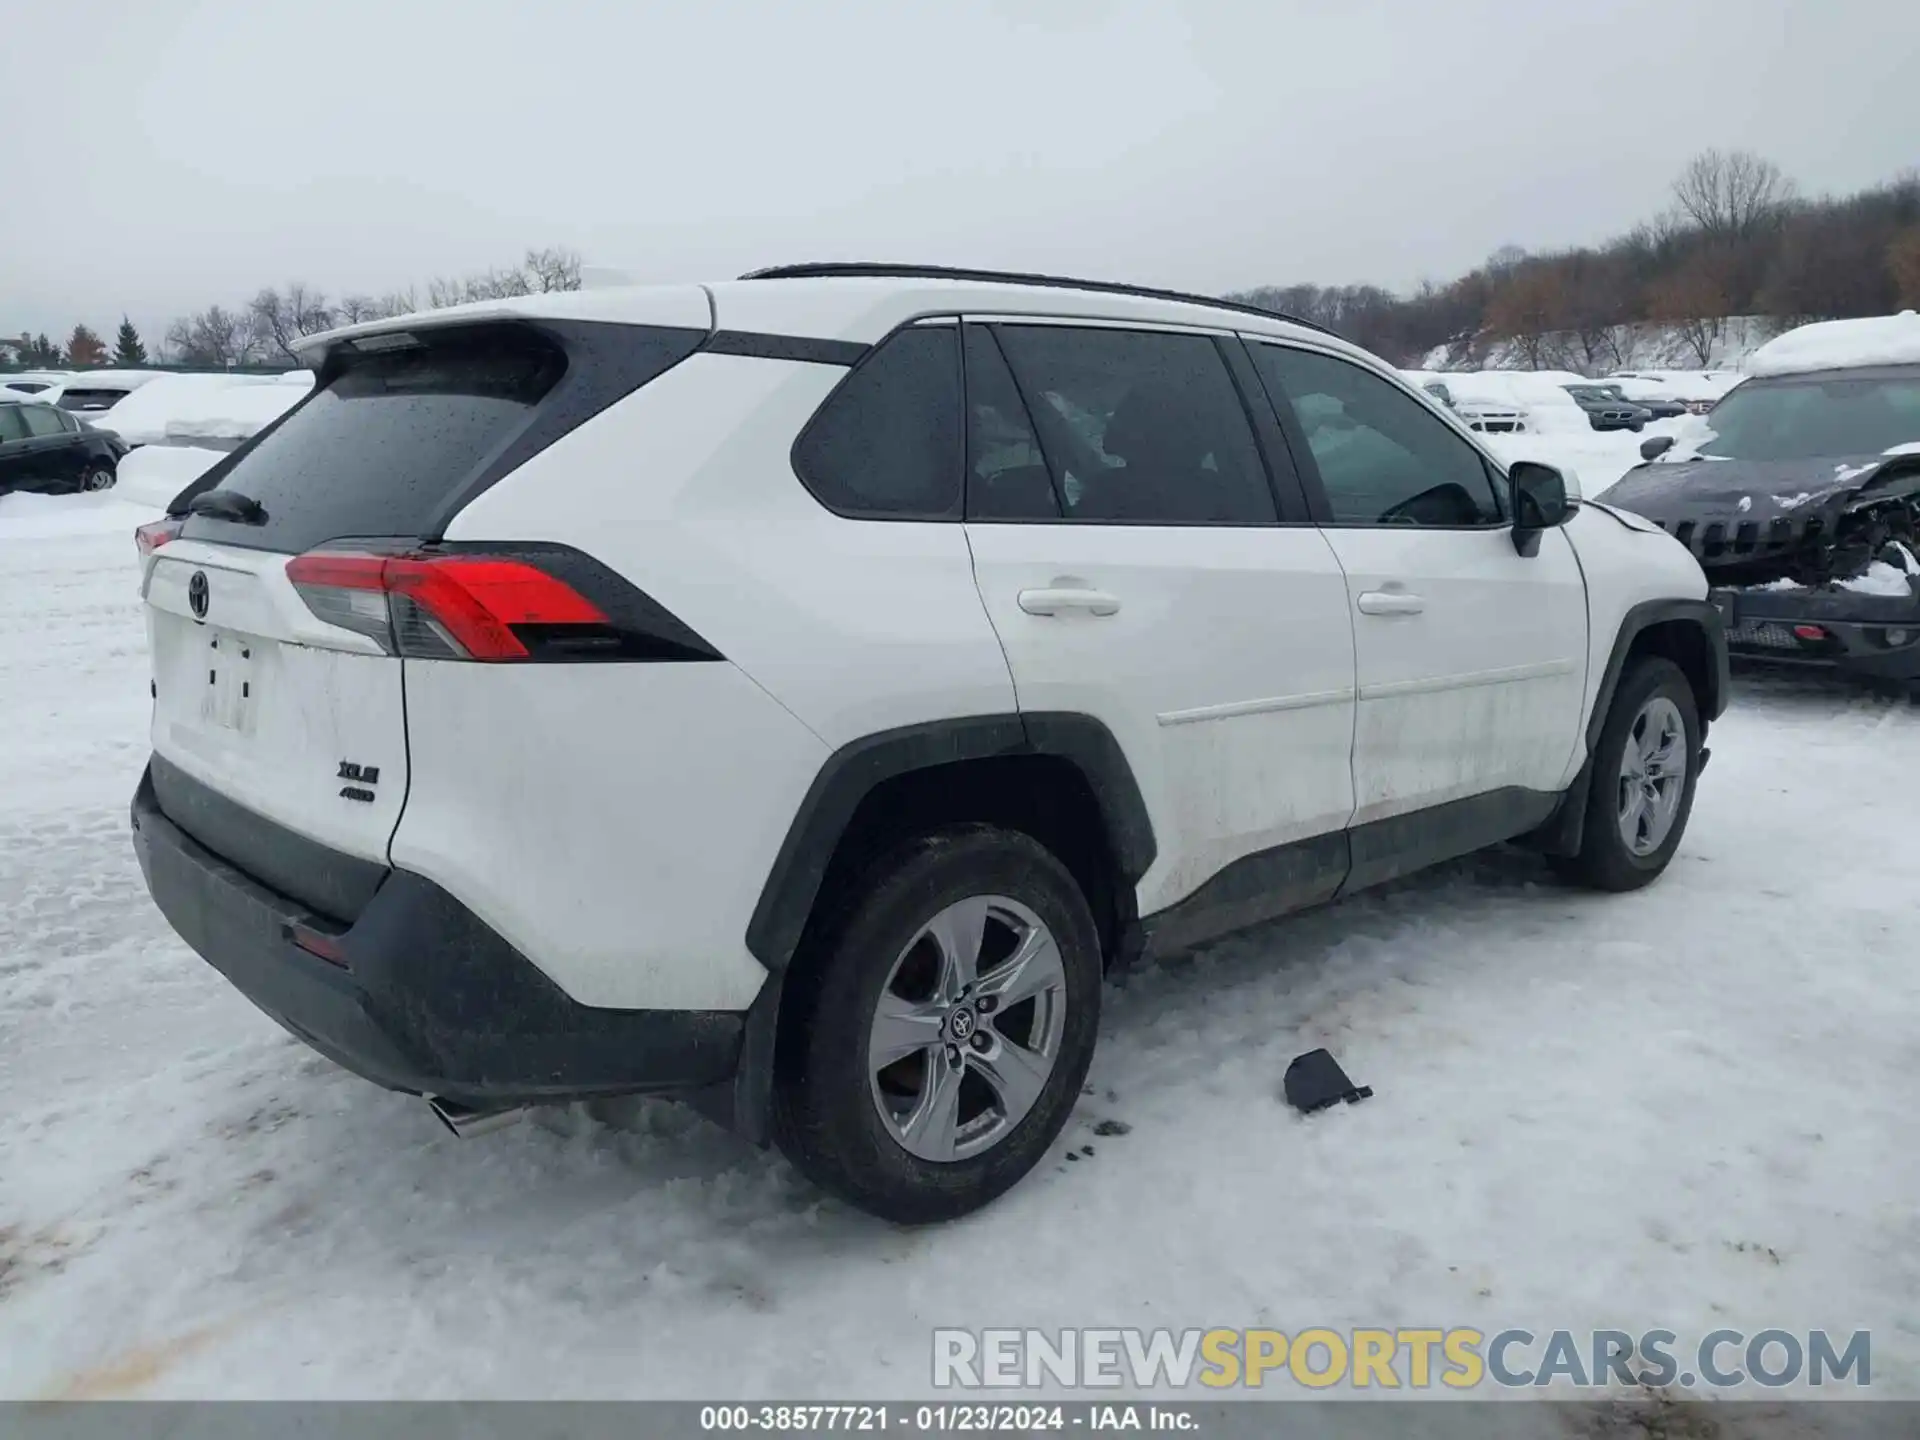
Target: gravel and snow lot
point(1690, 1107)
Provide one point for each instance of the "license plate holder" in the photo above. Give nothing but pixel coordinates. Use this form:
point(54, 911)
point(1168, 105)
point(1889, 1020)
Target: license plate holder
point(232, 695)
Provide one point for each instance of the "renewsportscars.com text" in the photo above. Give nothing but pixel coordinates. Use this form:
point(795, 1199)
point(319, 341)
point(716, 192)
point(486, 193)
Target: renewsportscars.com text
point(1400, 1358)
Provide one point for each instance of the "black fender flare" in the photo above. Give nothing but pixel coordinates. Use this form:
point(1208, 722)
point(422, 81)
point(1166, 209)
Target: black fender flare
point(851, 772)
point(1646, 614)
point(1560, 835)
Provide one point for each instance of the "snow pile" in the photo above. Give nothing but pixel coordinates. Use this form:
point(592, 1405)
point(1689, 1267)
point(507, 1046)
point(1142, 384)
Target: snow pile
point(154, 474)
point(42, 517)
point(1879, 579)
point(1841, 344)
point(176, 409)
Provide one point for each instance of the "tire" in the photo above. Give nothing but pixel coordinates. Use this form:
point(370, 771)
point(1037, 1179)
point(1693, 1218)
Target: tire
point(1651, 689)
point(97, 477)
point(845, 1117)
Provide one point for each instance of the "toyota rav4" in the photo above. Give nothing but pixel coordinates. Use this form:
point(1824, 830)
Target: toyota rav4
point(797, 693)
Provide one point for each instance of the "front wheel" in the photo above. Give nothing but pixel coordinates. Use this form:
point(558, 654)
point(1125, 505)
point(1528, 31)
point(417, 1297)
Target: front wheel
point(1643, 773)
point(942, 1023)
point(97, 477)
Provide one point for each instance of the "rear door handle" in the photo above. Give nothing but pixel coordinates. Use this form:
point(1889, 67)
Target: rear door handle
point(1055, 602)
point(1391, 602)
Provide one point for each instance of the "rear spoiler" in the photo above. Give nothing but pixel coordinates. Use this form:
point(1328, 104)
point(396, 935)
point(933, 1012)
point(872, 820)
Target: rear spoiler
point(677, 307)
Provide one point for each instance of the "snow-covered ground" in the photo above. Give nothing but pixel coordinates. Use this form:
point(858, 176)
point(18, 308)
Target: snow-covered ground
point(1688, 1108)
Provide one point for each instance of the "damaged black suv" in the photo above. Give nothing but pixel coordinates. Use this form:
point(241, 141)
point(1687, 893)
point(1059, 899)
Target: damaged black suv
point(1801, 501)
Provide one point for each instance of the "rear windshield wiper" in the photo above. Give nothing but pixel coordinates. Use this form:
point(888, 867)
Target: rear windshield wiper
point(228, 505)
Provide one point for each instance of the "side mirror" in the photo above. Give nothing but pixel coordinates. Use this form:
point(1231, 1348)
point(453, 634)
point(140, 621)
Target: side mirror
point(1540, 503)
point(1654, 446)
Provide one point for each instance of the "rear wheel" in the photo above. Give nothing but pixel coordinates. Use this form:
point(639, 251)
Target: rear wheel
point(97, 477)
point(941, 1024)
point(1644, 769)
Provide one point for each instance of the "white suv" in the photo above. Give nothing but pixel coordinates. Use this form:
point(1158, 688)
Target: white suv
point(795, 692)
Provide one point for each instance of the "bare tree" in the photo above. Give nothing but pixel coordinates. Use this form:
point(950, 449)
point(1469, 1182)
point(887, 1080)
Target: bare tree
point(1527, 310)
point(216, 338)
point(539, 272)
point(1731, 195)
point(1903, 262)
point(554, 268)
point(281, 319)
point(353, 309)
point(1693, 300)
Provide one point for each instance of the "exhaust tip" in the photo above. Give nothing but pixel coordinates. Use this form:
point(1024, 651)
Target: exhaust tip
point(466, 1122)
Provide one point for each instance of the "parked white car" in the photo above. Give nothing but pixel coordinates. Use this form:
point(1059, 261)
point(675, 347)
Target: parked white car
point(798, 692)
point(94, 392)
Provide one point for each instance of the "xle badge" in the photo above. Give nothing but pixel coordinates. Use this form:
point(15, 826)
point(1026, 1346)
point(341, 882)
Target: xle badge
point(363, 778)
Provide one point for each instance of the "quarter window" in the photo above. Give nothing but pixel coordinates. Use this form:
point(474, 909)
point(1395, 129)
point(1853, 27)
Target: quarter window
point(1384, 458)
point(887, 443)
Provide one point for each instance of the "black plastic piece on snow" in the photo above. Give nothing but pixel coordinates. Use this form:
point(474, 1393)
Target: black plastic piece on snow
point(1315, 1081)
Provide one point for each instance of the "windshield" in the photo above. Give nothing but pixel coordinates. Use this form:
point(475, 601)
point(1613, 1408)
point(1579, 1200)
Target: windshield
point(1806, 417)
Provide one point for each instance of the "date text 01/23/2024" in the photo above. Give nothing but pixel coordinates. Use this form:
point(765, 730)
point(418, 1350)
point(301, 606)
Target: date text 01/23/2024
point(937, 1419)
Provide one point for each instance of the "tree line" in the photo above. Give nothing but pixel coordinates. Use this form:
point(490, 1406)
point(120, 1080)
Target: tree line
point(1737, 239)
point(264, 329)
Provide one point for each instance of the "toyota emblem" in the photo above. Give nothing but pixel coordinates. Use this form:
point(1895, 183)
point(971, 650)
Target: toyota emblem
point(197, 594)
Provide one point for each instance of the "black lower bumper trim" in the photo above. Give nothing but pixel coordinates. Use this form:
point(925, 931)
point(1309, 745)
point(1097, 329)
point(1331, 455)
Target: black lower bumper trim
point(430, 1000)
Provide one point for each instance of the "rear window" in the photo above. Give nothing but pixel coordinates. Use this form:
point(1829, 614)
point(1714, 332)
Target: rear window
point(393, 442)
point(92, 399)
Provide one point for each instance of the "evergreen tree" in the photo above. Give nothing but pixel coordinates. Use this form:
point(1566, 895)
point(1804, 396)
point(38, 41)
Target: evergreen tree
point(85, 350)
point(128, 351)
point(41, 352)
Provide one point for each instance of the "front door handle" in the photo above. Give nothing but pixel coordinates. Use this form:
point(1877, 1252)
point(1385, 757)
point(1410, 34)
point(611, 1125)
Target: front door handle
point(1055, 602)
point(1391, 602)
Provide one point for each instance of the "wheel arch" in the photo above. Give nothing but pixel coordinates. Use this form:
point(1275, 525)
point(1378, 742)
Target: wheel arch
point(1688, 632)
point(936, 772)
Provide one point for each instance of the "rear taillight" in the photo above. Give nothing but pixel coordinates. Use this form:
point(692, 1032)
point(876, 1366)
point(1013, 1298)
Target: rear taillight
point(151, 537)
point(449, 607)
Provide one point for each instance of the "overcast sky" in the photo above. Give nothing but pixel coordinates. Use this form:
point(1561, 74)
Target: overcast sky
point(162, 154)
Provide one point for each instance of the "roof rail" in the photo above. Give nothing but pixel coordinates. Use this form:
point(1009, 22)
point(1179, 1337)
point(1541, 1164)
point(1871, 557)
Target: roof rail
point(819, 270)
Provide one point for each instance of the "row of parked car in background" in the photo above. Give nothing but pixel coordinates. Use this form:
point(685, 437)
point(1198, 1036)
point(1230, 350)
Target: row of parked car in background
point(1509, 402)
point(67, 431)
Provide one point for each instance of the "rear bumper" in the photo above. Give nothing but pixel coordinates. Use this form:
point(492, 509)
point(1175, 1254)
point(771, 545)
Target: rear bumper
point(427, 999)
point(1857, 632)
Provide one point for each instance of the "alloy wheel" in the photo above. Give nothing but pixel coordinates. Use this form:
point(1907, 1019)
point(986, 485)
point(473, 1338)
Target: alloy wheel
point(1653, 775)
point(967, 1029)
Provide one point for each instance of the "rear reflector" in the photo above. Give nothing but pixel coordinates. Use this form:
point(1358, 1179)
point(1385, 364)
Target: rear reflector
point(318, 944)
point(1810, 632)
point(440, 607)
point(150, 538)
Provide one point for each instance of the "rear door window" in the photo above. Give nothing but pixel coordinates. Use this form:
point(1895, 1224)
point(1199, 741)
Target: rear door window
point(13, 423)
point(1007, 475)
point(42, 420)
point(1140, 427)
point(886, 445)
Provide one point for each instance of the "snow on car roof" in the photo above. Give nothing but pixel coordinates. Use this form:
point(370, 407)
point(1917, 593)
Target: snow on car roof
point(1841, 345)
